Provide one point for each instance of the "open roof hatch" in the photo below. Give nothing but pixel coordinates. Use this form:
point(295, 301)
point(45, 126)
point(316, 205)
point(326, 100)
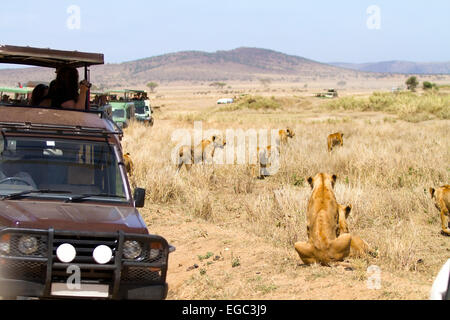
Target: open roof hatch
point(48, 57)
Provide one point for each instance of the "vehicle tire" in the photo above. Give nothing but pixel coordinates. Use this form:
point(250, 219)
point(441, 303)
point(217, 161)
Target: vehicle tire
point(151, 122)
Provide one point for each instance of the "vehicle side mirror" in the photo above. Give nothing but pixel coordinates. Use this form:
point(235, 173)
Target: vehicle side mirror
point(139, 197)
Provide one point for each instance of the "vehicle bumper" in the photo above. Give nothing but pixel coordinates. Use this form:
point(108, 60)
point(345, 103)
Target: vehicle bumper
point(144, 119)
point(11, 288)
point(36, 276)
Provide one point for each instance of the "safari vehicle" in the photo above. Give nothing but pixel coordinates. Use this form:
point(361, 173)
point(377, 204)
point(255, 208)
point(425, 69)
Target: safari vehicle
point(15, 95)
point(329, 93)
point(123, 108)
point(99, 102)
point(69, 226)
point(143, 110)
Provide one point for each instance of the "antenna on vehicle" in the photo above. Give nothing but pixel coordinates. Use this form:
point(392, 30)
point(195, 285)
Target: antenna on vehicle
point(88, 95)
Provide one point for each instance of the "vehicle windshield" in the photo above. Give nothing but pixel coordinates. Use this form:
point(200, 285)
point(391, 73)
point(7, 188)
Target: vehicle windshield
point(119, 113)
point(73, 166)
point(140, 109)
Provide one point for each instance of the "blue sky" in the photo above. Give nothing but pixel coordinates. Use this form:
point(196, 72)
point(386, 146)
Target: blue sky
point(320, 30)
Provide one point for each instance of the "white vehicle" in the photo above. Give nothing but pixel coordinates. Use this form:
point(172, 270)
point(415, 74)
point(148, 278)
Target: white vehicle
point(225, 101)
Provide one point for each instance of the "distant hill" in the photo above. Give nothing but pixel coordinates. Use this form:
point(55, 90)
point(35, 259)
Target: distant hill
point(239, 64)
point(405, 67)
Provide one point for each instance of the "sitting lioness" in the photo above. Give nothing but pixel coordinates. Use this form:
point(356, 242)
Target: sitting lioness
point(442, 203)
point(335, 139)
point(323, 245)
point(203, 152)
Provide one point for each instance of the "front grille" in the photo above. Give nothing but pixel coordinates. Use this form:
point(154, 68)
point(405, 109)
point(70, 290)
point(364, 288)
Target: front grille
point(84, 246)
point(24, 270)
point(139, 274)
point(148, 269)
point(151, 257)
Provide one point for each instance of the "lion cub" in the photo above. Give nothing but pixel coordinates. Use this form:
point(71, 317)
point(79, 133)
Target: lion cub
point(202, 153)
point(335, 139)
point(285, 134)
point(128, 162)
point(442, 203)
point(266, 161)
point(358, 246)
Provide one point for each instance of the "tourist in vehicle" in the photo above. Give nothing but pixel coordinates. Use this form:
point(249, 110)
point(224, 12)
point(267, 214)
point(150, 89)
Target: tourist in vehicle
point(66, 90)
point(5, 98)
point(47, 100)
point(38, 95)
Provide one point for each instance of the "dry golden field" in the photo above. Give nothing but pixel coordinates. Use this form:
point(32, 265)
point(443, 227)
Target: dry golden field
point(239, 231)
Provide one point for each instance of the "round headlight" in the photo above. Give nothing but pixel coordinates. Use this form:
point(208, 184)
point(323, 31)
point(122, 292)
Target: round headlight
point(132, 249)
point(28, 244)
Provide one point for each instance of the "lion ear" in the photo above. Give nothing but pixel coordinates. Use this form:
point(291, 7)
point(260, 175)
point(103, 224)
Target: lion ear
point(432, 192)
point(334, 178)
point(342, 134)
point(347, 210)
point(214, 138)
point(310, 181)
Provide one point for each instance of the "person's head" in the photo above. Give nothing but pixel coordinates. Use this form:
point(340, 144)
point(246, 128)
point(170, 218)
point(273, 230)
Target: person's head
point(103, 100)
point(67, 81)
point(39, 93)
point(51, 89)
point(5, 98)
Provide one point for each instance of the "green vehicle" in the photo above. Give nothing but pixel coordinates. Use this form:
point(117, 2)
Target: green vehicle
point(21, 95)
point(99, 102)
point(123, 108)
point(143, 110)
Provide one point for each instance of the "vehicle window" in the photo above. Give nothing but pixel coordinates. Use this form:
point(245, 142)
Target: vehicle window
point(79, 167)
point(140, 109)
point(120, 113)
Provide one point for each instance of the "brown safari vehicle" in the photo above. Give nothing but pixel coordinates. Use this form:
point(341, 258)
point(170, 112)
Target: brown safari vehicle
point(68, 221)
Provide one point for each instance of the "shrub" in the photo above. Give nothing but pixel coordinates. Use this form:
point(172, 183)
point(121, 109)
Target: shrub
point(429, 85)
point(253, 103)
point(412, 83)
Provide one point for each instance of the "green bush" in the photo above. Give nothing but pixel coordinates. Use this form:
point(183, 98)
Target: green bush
point(253, 103)
point(429, 85)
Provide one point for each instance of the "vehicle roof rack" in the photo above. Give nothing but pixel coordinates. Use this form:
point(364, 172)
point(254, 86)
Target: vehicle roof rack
point(47, 57)
point(29, 127)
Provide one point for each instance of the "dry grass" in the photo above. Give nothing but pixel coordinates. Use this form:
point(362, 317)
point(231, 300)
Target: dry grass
point(384, 170)
point(407, 105)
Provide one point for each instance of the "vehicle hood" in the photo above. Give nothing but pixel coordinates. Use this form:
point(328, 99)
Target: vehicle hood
point(70, 216)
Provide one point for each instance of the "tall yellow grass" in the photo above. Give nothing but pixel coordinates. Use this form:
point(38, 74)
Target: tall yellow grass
point(383, 169)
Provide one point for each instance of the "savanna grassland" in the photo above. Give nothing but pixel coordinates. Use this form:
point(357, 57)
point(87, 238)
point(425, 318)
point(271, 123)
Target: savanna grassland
point(234, 234)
